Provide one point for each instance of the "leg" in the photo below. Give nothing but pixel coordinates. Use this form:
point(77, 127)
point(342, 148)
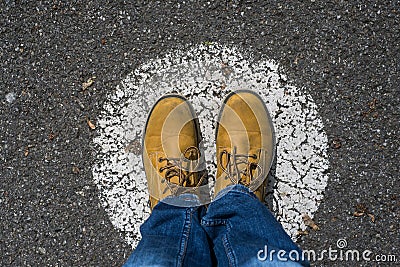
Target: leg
point(172, 236)
point(245, 233)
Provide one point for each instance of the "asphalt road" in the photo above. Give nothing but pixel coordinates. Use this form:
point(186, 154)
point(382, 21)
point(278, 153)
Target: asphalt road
point(344, 53)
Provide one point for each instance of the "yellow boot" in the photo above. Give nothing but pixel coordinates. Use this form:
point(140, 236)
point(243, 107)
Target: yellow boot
point(245, 142)
point(171, 156)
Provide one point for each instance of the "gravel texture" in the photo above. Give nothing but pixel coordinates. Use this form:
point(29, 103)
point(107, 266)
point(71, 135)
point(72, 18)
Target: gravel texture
point(345, 54)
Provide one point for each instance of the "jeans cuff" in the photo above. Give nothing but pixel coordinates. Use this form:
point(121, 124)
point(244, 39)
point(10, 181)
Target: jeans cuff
point(183, 200)
point(237, 188)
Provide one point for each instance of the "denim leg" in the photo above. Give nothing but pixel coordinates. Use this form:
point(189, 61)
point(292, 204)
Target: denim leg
point(172, 236)
point(245, 233)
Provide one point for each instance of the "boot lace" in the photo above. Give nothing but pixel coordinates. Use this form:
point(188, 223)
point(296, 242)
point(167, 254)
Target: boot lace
point(185, 168)
point(232, 169)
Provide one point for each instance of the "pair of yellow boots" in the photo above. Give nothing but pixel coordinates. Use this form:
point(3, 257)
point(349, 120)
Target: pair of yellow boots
point(172, 159)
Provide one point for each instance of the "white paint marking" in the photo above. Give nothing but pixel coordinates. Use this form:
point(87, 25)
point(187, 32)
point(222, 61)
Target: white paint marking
point(204, 75)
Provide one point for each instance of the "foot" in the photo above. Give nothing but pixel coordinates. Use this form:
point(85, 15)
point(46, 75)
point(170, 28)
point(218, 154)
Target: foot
point(245, 142)
point(171, 154)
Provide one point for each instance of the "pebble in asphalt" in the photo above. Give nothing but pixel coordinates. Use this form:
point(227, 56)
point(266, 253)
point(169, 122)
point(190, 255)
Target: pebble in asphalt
point(345, 54)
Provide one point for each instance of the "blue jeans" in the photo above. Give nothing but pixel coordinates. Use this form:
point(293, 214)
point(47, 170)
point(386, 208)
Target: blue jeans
point(235, 230)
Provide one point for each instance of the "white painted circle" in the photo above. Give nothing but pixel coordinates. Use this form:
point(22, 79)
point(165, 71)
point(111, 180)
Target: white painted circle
point(204, 75)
